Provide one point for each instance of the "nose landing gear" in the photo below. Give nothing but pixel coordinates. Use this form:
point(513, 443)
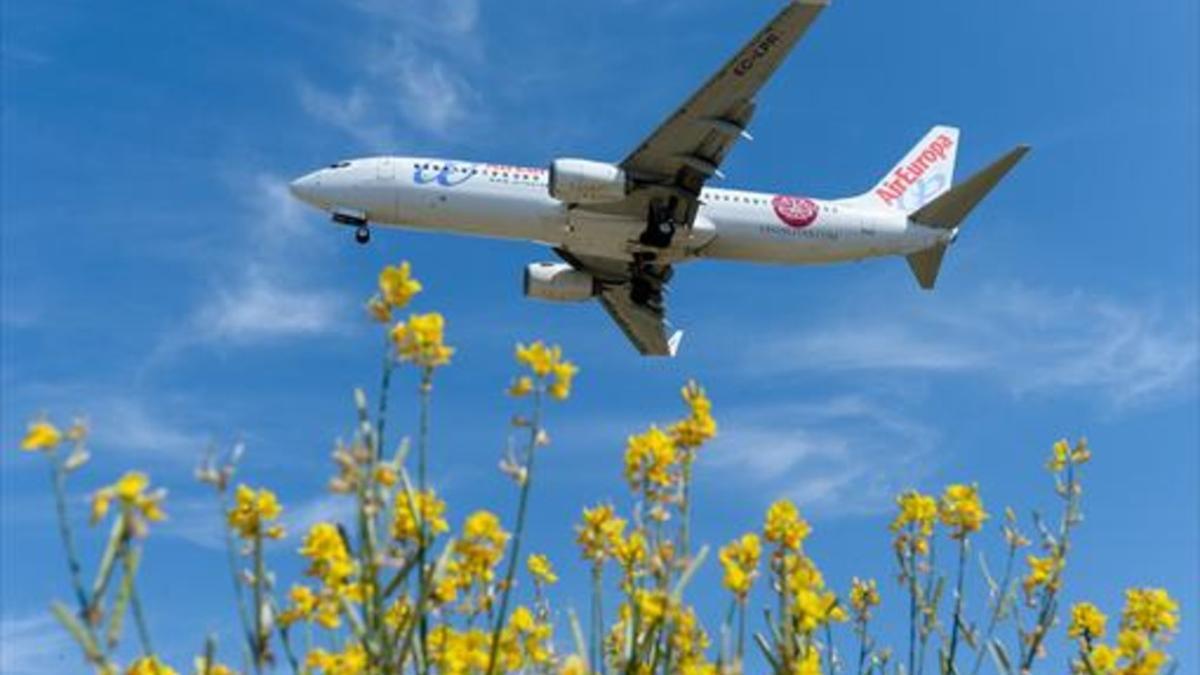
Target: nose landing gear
point(362, 234)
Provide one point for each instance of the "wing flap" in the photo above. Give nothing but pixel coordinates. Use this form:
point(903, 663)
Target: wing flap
point(647, 329)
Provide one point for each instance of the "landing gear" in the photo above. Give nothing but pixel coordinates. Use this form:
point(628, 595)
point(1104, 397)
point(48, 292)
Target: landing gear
point(660, 225)
point(362, 234)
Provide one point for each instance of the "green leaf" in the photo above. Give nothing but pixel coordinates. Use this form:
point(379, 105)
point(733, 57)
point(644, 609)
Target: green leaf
point(121, 604)
point(689, 572)
point(107, 560)
point(577, 635)
point(78, 631)
point(766, 652)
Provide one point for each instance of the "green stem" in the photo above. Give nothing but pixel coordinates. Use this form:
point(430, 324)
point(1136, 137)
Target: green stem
point(522, 505)
point(135, 602)
point(423, 544)
point(260, 643)
point(997, 610)
point(58, 477)
point(958, 602)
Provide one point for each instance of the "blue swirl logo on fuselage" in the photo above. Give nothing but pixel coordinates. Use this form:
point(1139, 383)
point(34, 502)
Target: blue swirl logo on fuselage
point(446, 175)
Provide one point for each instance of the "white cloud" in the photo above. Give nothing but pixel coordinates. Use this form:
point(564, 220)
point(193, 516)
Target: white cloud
point(35, 644)
point(1030, 341)
point(267, 292)
point(405, 71)
point(257, 309)
point(848, 455)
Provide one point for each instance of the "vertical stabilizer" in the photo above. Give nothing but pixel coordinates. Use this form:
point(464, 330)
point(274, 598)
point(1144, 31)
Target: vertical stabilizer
point(920, 177)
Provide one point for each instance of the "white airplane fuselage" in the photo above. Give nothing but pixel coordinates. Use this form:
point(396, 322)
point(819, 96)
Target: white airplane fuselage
point(512, 202)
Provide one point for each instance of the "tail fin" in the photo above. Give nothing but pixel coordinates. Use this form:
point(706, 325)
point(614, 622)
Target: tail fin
point(924, 173)
point(951, 208)
point(948, 210)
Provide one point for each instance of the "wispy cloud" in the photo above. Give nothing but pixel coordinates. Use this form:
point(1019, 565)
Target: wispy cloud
point(406, 71)
point(35, 644)
point(264, 292)
point(847, 455)
point(197, 520)
point(1030, 341)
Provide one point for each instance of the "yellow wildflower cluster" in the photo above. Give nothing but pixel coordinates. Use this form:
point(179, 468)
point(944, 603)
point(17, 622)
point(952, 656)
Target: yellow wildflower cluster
point(784, 527)
point(307, 605)
point(1149, 619)
point(252, 510)
point(331, 563)
point(600, 533)
point(1044, 572)
point(481, 546)
point(740, 558)
point(863, 596)
point(699, 426)
point(396, 289)
point(914, 522)
point(1087, 622)
point(131, 493)
point(41, 435)
point(421, 340)
point(541, 570)
point(548, 366)
point(350, 661)
point(649, 457)
point(813, 606)
point(1062, 454)
point(524, 645)
point(961, 510)
point(406, 524)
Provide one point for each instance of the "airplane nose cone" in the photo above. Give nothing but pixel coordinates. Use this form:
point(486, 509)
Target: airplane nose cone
point(305, 187)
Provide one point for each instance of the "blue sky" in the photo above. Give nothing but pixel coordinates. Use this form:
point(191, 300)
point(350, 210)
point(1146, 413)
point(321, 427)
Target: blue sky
point(158, 278)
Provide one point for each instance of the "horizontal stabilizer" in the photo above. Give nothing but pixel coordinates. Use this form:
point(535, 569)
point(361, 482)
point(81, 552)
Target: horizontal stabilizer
point(925, 265)
point(948, 210)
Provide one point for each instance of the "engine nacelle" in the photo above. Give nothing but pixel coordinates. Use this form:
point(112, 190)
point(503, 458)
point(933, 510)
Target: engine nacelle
point(582, 181)
point(558, 282)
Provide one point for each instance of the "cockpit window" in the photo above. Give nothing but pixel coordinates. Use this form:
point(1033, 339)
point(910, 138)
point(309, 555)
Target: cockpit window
point(340, 165)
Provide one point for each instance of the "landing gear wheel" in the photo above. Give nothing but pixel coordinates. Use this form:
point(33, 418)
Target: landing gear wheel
point(362, 234)
point(659, 234)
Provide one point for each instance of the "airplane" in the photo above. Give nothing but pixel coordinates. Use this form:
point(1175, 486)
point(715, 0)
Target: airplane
point(619, 229)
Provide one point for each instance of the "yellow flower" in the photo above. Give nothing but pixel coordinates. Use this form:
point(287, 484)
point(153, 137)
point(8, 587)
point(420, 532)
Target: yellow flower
point(252, 510)
point(962, 510)
point(809, 663)
point(1043, 572)
point(564, 374)
point(863, 596)
point(421, 340)
point(1061, 454)
point(304, 604)
point(522, 386)
point(631, 551)
point(329, 560)
point(699, 426)
point(149, 665)
point(405, 526)
point(397, 286)
point(204, 667)
point(481, 546)
point(545, 361)
point(913, 524)
point(130, 491)
point(1131, 643)
point(1102, 658)
point(41, 435)
point(649, 458)
point(814, 608)
point(1087, 621)
point(539, 357)
point(740, 558)
point(784, 526)
point(541, 569)
point(1150, 610)
point(600, 532)
point(351, 661)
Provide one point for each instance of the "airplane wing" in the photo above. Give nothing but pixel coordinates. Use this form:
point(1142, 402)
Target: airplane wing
point(644, 323)
point(687, 149)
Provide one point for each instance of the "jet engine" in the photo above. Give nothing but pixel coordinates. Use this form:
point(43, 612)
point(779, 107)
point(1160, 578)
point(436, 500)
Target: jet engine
point(582, 181)
point(558, 282)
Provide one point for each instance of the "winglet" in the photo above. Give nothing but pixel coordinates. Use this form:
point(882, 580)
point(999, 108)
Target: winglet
point(673, 342)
